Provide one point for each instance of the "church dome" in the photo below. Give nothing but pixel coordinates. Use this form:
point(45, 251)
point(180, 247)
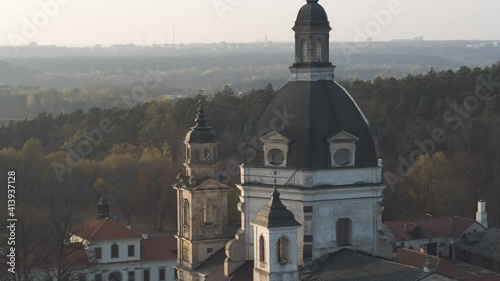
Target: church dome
point(310, 15)
point(308, 113)
point(201, 132)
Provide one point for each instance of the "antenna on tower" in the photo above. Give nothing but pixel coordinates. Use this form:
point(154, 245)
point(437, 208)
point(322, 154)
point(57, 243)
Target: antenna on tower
point(174, 35)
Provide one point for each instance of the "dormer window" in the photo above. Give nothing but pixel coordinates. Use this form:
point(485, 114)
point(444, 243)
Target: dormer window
point(276, 157)
point(275, 149)
point(343, 157)
point(343, 149)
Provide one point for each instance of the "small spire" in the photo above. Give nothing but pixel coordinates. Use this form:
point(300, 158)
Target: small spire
point(201, 119)
point(275, 213)
point(275, 192)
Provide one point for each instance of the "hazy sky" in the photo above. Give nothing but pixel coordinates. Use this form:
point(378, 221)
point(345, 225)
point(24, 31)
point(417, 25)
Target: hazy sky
point(89, 22)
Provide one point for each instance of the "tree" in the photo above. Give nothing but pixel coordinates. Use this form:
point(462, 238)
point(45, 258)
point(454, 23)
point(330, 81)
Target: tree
point(62, 259)
point(30, 242)
point(433, 189)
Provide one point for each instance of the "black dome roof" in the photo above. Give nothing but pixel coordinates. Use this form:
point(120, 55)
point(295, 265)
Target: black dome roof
point(275, 214)
point(317, 111)
point(201, 132)
point(310, 15)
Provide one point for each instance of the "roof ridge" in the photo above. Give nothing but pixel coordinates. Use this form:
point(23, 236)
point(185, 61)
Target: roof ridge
point(99, 227)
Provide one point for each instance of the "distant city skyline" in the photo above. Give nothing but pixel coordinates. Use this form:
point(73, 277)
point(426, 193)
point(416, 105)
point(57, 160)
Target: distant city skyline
point(88, 23)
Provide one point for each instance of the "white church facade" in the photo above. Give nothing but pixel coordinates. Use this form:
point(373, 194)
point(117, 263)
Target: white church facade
point(315, 187)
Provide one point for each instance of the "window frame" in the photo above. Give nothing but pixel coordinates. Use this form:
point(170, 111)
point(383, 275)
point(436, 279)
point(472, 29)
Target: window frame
point(115, 247)
point(209, 214)
point(129, 251)
point(160, 270)
point(96, 251)
point(146, 272)
point(283, 250)
point(344, 232)
point(129, 274)
point(262, 249)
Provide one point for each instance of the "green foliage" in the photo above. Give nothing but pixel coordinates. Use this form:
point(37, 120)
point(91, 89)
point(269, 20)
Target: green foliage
point(139, 158)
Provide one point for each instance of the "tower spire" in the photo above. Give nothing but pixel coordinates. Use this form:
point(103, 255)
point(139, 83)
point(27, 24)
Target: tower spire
point(201, 119)
point(312, 36)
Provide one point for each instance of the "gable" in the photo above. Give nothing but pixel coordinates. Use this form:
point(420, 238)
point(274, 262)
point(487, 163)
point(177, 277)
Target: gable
point(210, 184)
point(274, 137)
point(474, 227)
point(343, 136)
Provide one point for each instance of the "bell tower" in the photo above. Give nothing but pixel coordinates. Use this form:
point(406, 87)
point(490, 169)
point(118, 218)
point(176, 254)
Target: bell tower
point(102, 209)
point(312, 44)
point(201, 149)
point(275, 242)
point(202, 201)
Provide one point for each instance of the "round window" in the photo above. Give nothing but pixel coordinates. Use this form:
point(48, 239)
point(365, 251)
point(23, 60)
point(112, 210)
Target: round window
point(275, 157)
point(342, 157)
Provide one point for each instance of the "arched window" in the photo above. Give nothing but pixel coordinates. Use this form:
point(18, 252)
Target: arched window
point(185, 213)
point(305, 51)
point(262, 248)
point(283, 250)
point(114, 251)
point(319, 51)
point(208, 214)
point(188, 153)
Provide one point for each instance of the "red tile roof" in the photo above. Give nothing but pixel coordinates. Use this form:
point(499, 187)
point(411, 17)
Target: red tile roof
point(417, 259)
point(105, 229)
point(159, 248)
point(430, 227)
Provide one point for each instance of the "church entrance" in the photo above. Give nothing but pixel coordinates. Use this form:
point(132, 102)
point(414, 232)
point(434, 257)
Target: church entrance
point(115, 276)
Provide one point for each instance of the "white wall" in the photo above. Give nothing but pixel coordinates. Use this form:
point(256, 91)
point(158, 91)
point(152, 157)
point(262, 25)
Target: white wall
point(124, 268)
point(122, 250)
point(360, 204)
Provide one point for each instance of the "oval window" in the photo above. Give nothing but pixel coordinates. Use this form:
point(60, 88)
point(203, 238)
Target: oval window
point(275, 157)
point(342, 157)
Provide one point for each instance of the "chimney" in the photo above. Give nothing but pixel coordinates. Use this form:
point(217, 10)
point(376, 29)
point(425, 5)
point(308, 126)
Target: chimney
point(481, 215)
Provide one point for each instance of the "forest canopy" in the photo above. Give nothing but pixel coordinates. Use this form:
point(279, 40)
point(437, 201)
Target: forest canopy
point(437, 133)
